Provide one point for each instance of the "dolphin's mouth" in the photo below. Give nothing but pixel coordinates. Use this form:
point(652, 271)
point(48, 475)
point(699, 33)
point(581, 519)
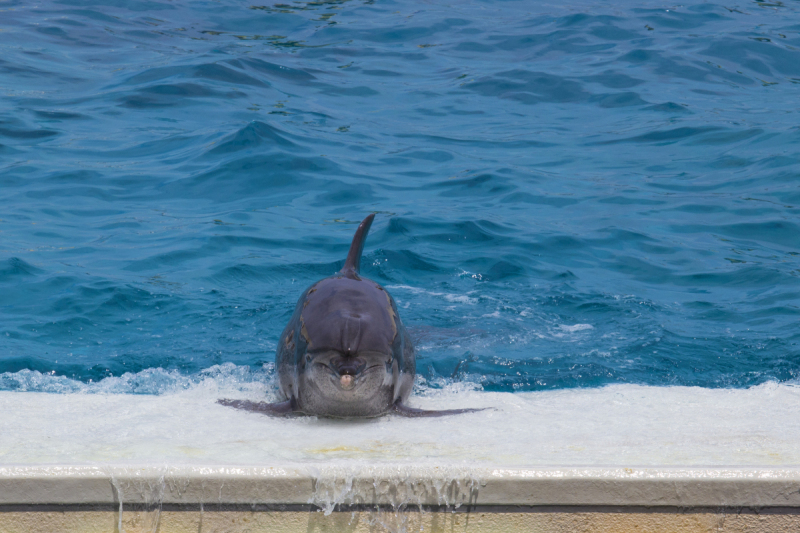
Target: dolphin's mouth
point(348, 366)
point(347, 382)
point(348, 372)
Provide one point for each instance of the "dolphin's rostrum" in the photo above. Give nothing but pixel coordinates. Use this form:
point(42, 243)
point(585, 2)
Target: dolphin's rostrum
point(345, 351)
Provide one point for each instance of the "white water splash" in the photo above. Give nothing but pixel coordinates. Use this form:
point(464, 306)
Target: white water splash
point(454, 298)
point(394, 487)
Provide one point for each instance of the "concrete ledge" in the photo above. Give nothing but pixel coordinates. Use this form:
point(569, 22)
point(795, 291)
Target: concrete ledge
point(127, 499)
point(402, 486)
point(396, 474)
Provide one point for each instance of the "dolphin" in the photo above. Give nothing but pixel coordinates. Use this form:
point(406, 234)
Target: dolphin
point(345, 352)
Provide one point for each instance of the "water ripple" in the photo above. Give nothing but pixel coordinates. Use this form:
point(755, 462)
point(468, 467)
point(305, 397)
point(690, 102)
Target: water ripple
point(568, 195)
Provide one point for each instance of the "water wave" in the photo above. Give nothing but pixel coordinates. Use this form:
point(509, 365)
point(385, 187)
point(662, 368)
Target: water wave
point(568, 195)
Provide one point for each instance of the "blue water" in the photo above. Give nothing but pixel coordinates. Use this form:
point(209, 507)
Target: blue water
point(569, 194)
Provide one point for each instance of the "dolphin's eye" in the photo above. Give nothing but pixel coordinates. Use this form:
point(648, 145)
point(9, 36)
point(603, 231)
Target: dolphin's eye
point(308, 358)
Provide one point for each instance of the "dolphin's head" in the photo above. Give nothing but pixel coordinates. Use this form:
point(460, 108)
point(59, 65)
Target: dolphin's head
point(336, 384)
point(347, 362)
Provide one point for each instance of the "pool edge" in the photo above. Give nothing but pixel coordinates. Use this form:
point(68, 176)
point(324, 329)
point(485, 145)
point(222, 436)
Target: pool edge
point(395, 485)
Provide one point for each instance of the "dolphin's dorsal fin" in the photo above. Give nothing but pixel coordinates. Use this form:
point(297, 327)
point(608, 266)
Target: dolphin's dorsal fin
point(352, 265)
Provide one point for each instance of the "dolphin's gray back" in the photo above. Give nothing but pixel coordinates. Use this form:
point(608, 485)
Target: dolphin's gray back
point(348, 316)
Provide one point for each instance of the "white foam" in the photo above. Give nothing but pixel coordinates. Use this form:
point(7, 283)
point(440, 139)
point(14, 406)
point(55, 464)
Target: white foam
point(576, 327)
point(454, 298)
point(226, 376)
point(622, 425)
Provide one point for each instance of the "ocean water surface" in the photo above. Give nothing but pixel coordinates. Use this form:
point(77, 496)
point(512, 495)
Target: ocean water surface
point(568, 194)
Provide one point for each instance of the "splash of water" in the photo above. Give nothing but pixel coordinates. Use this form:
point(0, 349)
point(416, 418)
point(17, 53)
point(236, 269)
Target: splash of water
point(394, 487)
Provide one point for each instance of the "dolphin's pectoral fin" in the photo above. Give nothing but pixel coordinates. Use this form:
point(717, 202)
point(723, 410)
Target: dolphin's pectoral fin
point(411, 412)
point(270, 409)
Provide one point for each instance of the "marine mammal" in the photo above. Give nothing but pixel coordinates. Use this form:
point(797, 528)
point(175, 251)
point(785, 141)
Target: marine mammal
point(345, 352)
